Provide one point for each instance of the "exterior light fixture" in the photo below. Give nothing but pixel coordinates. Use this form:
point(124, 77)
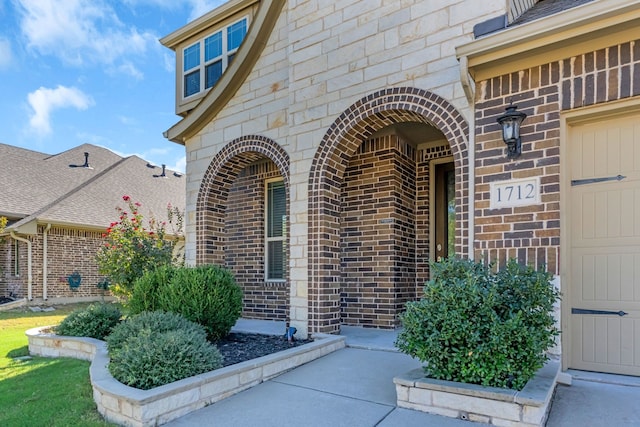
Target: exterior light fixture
point(510, 122)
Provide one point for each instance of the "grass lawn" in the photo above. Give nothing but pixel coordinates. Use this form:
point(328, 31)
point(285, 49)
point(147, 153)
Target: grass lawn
point(42, 391)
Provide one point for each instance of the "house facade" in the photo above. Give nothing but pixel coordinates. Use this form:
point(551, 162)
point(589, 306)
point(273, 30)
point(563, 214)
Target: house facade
point(59, 208)
point(339, 148)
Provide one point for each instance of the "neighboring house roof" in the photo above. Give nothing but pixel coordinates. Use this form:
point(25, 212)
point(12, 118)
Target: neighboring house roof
point(57, 189)
point(545, 8)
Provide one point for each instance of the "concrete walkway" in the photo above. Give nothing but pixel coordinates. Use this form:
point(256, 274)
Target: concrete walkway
point(354, 387)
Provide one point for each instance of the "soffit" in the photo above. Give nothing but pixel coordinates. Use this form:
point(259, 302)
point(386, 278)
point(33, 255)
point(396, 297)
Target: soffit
point(585, 28)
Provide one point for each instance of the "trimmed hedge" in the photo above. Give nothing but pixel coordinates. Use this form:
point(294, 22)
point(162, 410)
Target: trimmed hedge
point(480, 327)
point(153, 349)
point(95, 321)
point(207, 295)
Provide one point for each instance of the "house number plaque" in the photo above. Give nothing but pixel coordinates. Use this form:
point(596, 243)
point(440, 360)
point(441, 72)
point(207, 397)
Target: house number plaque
point(514, 193)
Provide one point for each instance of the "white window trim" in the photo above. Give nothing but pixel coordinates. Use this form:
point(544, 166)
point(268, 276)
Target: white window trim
point(268, 239)
point(202, 65)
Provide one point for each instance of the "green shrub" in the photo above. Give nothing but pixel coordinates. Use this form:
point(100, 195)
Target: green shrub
point(479, 327)
point(163, 348)
point(147, 289)
point(156, 321)
point(207, 295)
point(95, 321)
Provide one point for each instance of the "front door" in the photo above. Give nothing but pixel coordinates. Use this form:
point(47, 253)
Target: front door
point(445, 210)
point(604, 257)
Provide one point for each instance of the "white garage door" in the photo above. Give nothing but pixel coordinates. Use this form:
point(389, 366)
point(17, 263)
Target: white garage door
point(605, 245)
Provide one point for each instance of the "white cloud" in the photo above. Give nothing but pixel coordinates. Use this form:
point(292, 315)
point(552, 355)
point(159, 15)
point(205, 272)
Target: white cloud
point(6, 55)
point(131, 70)
point(198, 7)
point(181, 165)
point(81, 32)
point(44, 101)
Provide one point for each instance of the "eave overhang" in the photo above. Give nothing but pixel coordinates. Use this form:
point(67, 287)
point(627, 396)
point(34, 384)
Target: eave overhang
point(582, 29)
point(231, 80)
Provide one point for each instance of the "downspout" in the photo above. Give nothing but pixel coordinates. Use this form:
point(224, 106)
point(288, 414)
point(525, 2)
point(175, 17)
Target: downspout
point(44, 261)
point(468, 85)
point(29, 275)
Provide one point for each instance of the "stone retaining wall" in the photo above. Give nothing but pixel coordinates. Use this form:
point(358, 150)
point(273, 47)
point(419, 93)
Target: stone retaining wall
point(496, 406)
point(129, 406)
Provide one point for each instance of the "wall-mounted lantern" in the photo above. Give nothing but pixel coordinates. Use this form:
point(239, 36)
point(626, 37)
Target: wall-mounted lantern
point(510, 122)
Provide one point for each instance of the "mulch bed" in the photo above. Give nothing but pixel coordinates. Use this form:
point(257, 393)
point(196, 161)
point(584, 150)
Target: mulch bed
point(238, 347)
point(4, 300)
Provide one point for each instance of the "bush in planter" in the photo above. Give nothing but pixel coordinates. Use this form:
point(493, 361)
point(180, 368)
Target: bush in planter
point(153, 349)
point(479, 327)
point(207, 295)
point(156, 321)
point(95, 321)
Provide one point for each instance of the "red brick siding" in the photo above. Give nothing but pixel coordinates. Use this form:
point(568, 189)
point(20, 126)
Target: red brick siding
point(378, 233)
point(244, 252)
point(69, 250)
point(341, 141)
point(532, 233)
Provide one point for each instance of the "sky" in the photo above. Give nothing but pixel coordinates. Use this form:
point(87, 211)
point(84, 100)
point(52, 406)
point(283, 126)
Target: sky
point(92, 71)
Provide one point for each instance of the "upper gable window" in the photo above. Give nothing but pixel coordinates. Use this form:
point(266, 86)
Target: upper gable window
point(205, 61)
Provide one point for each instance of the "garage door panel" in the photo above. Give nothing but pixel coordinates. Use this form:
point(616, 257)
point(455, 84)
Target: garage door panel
point(607, 216)
point(607, 276)
point(620, 355)
point(604, 254)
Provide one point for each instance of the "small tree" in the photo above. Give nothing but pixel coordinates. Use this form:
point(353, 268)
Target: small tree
point(131, 249)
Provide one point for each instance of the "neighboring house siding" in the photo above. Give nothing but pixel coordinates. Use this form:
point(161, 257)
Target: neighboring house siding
point(532, 233)
point(10, 284)
point(74, 251)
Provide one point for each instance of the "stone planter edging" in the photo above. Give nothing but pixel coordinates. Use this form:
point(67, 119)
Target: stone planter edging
point(132, 407)
point(496, 406)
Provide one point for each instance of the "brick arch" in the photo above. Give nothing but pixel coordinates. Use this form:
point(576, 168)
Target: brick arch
point(355, 124)
point(215, 185)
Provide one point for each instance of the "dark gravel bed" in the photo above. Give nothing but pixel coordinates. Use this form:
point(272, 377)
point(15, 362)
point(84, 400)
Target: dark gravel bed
point(238, 347)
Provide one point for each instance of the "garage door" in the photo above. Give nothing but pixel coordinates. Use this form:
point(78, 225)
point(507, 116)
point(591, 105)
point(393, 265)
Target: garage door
point(605, 245)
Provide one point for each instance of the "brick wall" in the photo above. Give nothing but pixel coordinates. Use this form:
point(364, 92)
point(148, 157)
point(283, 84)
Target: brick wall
point(244, 246)
point(69, 251)
point(532, 233)
point(377, 234)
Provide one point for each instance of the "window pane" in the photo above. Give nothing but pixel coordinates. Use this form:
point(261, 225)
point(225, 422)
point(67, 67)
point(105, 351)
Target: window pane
point(213, 47)
point(192, 56)
point(212, 73)
point(230, 58)
point(235, 34)
point(276, 208)
point(192, 83)
point(275, 263)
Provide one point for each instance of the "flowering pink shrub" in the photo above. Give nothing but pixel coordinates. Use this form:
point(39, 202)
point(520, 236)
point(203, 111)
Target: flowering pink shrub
point(130, 249)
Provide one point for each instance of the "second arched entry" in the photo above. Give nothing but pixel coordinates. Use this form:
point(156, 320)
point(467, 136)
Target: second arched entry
point(241, 222)
point(369, 219)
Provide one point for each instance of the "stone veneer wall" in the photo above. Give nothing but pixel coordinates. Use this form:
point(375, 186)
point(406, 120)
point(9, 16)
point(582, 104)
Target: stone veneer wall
point(532, 233)
point(244, 253)
point(319, 62)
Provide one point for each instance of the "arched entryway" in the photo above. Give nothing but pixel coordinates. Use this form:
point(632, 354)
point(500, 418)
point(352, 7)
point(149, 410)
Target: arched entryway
point(241, 222)
point(366, 181)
